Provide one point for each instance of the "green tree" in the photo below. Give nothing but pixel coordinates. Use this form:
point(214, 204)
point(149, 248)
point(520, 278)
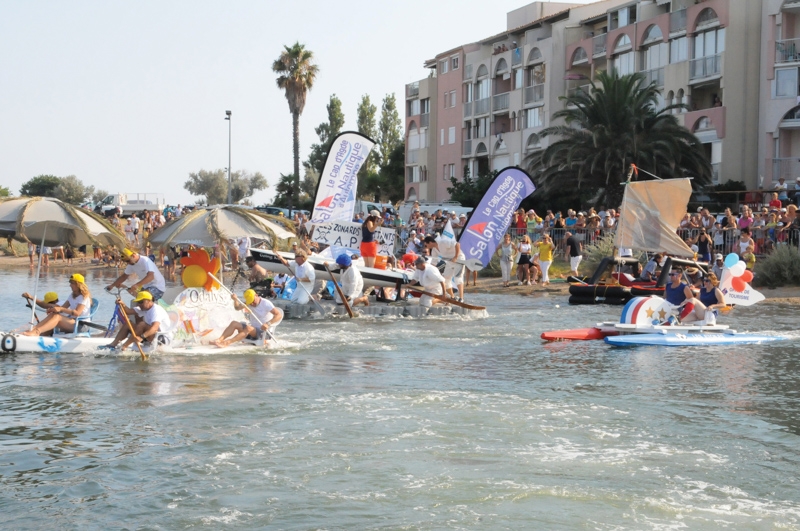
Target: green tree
point(367, 127)
point(214, 185)
point(326, 131)
point(296, 75)
point(390, 133)
point(392, 174)
point(99, 195)
point(285, 196)
point(615, 124)
point(71, 190)
point(4, 191)
point(470, 191)
point(308, 186)
point(41, 185)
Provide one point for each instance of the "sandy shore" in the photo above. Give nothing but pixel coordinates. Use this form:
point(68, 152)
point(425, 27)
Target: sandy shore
point(784, 295)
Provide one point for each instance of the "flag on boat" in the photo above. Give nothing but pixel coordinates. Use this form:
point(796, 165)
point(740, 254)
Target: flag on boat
point(650, 214)
point(489, 221)
point(336, 191)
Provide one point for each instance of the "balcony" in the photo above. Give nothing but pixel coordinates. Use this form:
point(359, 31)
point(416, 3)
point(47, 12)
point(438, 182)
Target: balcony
point(599, 44)
point(467, 148)
point(412, 90)
point(424, 120)
point(656, 74)
point(586, 89)
point(412, 157)
point(788, 168)
point(677, 21)
point(534, 94)
point(516, 56)
point(467, 109)
point(482, 106)
point(500, 102)
point(787, 51)
point(467, 72)
point(704, 67)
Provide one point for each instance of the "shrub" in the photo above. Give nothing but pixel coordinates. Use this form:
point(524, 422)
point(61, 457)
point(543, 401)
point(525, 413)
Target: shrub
point(780, 268)
point(603, 247)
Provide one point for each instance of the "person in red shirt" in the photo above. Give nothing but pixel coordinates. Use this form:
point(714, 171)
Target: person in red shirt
point(775, 202)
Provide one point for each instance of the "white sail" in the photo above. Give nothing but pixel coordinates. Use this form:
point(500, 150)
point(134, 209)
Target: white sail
point(650, 214)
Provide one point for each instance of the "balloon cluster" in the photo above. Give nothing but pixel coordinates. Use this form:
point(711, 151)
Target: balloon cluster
point(740, 275)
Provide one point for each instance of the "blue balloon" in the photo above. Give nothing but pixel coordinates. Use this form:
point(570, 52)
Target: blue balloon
point(731, 260)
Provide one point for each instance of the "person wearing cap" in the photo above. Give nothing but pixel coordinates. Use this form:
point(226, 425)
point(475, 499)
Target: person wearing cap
point(304, 272)
point(149, 277)
point(449, 250)
point(49, 300)
point(153, 321)
point(413, 243)
point(351, 281)
point(262, 315)
point(430, 279)
point(719, 264)
point(78, 304)
point(369, 242)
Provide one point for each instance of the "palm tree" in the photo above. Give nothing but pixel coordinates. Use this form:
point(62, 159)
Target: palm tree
point(296, 74)
point(613, 125)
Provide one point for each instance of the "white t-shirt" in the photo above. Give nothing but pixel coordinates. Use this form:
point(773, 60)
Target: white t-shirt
point(446, 250)
point(75, 301)
point(261, 310)
point(352, 284)
point(143, 266)
point(306, 270)
point(429, 278)
point(159, 314)
point(244, 246)
point(135, 223)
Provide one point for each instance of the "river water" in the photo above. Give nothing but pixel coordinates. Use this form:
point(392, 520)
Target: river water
point(406, 424)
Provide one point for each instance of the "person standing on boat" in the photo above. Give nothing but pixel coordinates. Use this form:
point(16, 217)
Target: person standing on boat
point(304, 272)
point(430, 279)
point(369, 242)
point(262, 315)
point(150, 278)
point(351, 281)
point(449, 250)
point(78, 304)
point(575, 256)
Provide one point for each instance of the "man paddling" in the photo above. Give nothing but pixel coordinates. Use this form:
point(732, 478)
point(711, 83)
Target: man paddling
point(263, 317)
point(351, 281)
point(430, 279)
point(154, 321)
point(150, 278)
point(448, 250)
point(304, 272)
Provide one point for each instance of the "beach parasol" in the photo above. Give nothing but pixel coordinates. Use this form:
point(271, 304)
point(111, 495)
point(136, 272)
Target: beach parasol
point(49, 222)
point(207, 226)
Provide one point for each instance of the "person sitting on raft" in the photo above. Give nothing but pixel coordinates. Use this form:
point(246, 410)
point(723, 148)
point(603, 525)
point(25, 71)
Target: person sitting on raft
point(351, 281)
point(263, 318)
point(50, 299)
point(153, 321)
point(78, 304)
point(431, 280)
point(677, 292)
point(702, 308)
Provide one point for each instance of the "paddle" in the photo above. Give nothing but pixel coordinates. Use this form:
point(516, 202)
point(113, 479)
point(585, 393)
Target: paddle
point(454, 302)
point(267, 332)
point(473, 264)
point(340, 292)
point(136, 338)
point(311, 297)
point(34, 311)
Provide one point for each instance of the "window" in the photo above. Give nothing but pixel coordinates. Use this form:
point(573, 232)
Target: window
point(518, 75)
point(468, 92)
point(443, 66)
point(709, 43)
point(534, 117)
point(446, 99)
point(452, 98)
point(654, 56)
point(481, 127)
point(451, 135)
point(454, 63)
point(623, 17)
point(624, 63)
point(444, 172)
point(786, 83)
point(623, 43)
point(679, 50)
point(579, 56)
point(482, 88)
point(413, 107)
point(537, 75)
point(451, 168)
point(441, 137)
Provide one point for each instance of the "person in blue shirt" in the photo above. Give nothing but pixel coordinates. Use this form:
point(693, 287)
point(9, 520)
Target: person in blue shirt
point(710, 299)
point(679, 294)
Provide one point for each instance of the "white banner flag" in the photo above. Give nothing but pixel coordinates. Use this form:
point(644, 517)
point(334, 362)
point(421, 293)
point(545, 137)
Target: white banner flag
point(348, 234)
point(336, 192)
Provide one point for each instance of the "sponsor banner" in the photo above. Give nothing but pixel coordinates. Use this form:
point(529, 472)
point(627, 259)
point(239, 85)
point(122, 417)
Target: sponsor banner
point(490, 219)
point(348, 234)
point(336, 192)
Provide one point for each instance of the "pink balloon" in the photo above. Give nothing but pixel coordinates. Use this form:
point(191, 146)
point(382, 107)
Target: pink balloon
point(738, 284)
point(747, 276)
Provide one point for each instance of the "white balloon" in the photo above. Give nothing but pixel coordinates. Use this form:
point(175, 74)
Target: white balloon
point(738, 269)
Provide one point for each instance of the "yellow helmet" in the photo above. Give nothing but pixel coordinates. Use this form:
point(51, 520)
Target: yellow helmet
point(249, 296)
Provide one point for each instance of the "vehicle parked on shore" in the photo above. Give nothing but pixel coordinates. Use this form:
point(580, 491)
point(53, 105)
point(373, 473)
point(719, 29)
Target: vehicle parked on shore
point(125, 204)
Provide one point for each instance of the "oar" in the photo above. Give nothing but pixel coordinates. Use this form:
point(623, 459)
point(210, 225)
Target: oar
point(136, 339)
point(340, 292)
point(268, 333)
point(34, 311)
point(444, 298)
point(473, 264)
point(311, 297)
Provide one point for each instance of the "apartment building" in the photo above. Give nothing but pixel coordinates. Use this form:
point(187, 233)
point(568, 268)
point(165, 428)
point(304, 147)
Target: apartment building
point(484, 104)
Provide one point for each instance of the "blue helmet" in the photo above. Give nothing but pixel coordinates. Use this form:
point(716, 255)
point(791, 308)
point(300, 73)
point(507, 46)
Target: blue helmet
point(344, 260)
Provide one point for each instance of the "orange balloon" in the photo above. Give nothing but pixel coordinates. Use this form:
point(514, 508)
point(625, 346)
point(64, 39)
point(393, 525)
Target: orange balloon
point(738, 284)
point(747, 276)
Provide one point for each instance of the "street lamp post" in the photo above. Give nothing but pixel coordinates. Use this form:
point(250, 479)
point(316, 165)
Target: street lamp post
point(228, 117)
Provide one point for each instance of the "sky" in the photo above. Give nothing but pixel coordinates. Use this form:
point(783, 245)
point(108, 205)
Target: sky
point(131, 96)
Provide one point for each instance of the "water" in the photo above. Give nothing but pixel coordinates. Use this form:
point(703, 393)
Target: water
point(401, 424)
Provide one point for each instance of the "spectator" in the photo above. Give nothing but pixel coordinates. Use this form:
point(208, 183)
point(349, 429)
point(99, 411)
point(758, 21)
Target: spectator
point(546, 248)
